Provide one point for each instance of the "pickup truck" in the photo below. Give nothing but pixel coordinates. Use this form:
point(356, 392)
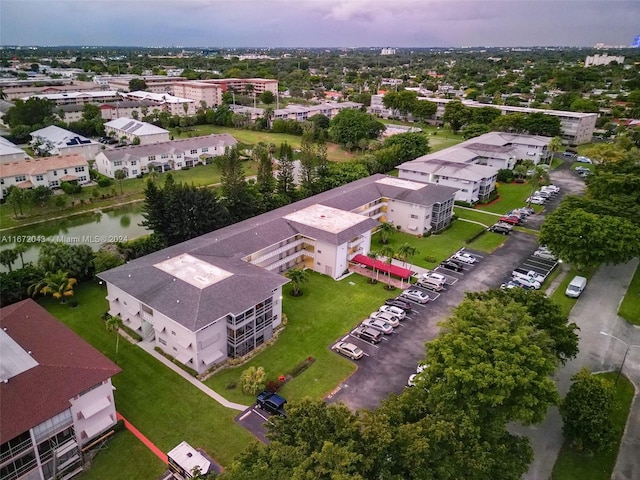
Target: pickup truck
point(272, 403)
point(528, 275)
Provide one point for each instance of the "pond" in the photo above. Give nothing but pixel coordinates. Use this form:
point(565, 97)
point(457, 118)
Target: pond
point(94, 229)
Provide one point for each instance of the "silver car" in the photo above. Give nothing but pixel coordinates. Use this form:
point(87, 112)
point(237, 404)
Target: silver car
point(416, 295)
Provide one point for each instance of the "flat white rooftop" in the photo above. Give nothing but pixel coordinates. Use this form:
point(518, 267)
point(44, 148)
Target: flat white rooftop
point(14, 360)
point(195, 272)
point(188, 458)
point(400, 183)
point(325, 218)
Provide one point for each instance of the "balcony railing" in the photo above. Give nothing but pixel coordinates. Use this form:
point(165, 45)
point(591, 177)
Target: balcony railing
point(282, 249)
point(15, 450)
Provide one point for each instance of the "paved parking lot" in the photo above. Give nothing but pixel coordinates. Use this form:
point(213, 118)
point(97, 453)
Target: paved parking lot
point(254, 419)
point(387, 366)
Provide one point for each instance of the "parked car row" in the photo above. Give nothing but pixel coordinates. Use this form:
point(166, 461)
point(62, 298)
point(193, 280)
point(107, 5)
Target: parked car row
point(542, 196)
point(533, 272)
point(583, 172)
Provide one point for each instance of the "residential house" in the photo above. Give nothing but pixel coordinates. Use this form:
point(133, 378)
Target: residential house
point(56, 391)
point(130, 129)
point(128, 109)
point(163, 156)
point(219, 296)
point(53, 140)
point(46, 171)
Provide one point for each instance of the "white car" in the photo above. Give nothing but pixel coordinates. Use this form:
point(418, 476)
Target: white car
point(416, 295)
point(412, 380)
point(397, 311)
point(379, 325)
point(551, 188)
point(388, 317)
point(421, 367)
point(536, 200)
point(349, 350)
point(544, 254)
point(465, 258)
point(581, 159)
point(527, 283)
point(441, 279)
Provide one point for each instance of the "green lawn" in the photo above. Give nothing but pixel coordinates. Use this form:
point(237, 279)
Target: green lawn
point(558, 296)
point(512, 195)
point(124, 457)
point(327, 310)
point(630, 306)
point(160, 403)
point(573, 465)
point(251, 137)
point(132, 189)
point(556, 162)
point(476, 215)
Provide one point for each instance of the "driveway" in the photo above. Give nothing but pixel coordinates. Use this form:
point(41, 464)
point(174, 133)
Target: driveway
point(595, 311)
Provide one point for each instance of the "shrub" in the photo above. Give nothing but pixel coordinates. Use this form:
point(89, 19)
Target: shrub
point(273, 386)
point(104, 181)
point(252, 380)
point(301, 367)
point(505, 175)
point(231, 386)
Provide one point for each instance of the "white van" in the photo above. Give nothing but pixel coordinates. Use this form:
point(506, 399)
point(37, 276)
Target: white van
point(575, 287)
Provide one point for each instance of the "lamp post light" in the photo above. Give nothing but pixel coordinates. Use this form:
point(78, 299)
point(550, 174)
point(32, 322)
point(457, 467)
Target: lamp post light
point(626, 352)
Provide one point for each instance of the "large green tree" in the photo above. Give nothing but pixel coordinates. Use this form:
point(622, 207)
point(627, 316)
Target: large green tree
point(238, 198)
point(587, 412)
point(410, 145)
point(456, 115)
point(285, 184)
point(33, 112)
point(350, 125)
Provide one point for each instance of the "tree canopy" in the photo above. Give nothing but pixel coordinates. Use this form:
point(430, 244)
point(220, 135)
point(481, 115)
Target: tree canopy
point(350, 126)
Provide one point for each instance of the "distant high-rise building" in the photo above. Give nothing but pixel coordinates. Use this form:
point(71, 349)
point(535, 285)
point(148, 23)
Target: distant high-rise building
point(636, 42)
point(388, 51)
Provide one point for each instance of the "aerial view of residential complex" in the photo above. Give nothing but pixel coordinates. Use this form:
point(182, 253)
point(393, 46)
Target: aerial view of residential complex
point(320, 239)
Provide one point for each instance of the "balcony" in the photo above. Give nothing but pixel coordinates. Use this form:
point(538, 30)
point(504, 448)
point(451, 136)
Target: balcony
point(287, 259)
point(282, 249)
point(373, 208)
point(16, 450)
point(355, 242)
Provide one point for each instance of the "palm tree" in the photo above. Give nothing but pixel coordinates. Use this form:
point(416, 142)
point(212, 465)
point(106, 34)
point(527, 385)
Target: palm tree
point(153, 175)
point(385, 230)
point(406, 251)
point(375, 256)
point(298, 276)
point(554, 146)
point(120, 175)
point(58, 284)
point(113, 324)
point(388, 252)
point(20, 249)
point(7, 257)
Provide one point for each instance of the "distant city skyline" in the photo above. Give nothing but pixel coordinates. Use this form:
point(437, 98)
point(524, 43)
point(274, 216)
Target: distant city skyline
point(319, 23)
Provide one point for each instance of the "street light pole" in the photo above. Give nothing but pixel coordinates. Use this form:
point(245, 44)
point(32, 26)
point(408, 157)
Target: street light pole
point(626, 352)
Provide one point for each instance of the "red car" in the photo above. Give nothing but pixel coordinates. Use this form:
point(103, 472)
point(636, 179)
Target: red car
point(511, 220)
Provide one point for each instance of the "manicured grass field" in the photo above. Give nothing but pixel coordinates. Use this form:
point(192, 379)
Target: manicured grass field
point(441, 246)
point(573, 465)
point(476, 215)
point(251, 137)
point(630, 306)
point(324, 313)
point(124, 457)
point(160, 403)
point(512, 195)
point(558, 296)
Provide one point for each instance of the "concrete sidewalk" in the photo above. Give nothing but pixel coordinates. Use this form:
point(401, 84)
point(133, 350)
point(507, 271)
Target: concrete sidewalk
point(149, 348)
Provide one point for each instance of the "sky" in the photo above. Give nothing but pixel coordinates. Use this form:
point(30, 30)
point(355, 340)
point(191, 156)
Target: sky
point(319, 23)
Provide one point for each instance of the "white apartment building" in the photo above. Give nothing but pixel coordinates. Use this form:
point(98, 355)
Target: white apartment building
point(219, 296)
point(128, 109)
point(200, 91)
point(155, 83)
point(576, 127)
point(78, 98)
point(162, 156)
point(53, 140)
point(174, 105)
point(57, 395)
point(604, 59)
point(131, 129)
point(473, 182)
point(300, 113)
point(46, 171)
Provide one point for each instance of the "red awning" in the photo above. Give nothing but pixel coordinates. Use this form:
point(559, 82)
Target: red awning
point(396, 271)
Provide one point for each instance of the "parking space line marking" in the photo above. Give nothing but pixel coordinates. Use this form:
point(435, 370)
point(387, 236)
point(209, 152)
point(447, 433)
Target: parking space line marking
point(245, 415)
point(266, 419)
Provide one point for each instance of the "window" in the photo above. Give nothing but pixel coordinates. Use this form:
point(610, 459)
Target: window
point(39, 178)
point(179, 164)
point(134, 163)
point(414, 216)
point(152, 158)
point(134, 172)
point(164, 156)
point(162, 341)
point(83, 178)
point(20, 178)
point(117, 163)
point(79, 169)
point(55, 173)
point(65, 171)
point(194, 151)
point(205, 149)
point(172, 332)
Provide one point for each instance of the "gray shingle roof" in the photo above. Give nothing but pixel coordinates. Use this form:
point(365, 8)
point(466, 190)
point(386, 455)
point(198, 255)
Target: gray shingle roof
point(226, 247)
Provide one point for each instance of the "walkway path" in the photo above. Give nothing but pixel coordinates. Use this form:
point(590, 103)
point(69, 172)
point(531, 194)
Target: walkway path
point(149, 348)
point(147, 443)
point(595, 312)
point(480, 211)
